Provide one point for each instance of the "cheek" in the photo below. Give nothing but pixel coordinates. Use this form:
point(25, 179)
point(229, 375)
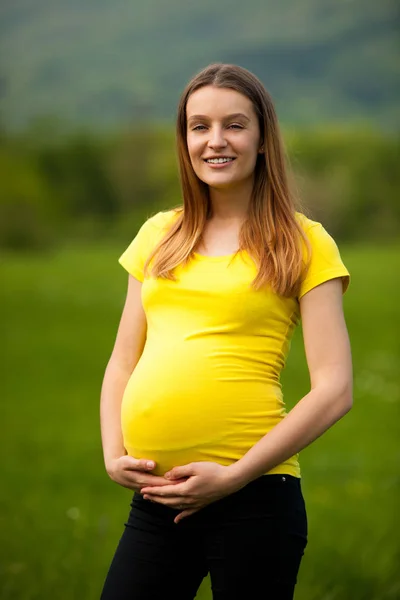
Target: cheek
point(253, 145)
point(246, 146)
point(193, 147)
point(253, 155)
point(195, 152)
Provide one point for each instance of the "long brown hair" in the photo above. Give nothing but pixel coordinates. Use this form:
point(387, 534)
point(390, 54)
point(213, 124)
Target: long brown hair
point(271, 233)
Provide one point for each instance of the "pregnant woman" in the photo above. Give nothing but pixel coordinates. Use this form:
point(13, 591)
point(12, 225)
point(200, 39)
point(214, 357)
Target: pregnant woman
point(192, 413)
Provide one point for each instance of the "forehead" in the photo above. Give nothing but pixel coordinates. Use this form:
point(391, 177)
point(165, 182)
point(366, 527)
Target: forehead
point(216, 102)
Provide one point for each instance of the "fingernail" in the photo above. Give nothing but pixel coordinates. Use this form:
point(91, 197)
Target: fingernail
point(167, 475)
point(150, 465)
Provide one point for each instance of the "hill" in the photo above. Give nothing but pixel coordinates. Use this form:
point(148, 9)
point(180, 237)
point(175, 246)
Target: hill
point(104, 63)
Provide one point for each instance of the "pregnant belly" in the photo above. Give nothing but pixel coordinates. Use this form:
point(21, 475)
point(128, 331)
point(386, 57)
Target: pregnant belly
point(177, 416)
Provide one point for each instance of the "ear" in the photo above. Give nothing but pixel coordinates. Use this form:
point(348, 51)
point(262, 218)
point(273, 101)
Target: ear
point(261, 149)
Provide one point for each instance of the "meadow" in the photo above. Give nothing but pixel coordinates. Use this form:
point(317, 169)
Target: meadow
point(61, 517)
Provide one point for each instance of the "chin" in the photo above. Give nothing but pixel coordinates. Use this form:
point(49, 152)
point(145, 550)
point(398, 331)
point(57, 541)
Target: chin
point(222, 183)
point(219, 179)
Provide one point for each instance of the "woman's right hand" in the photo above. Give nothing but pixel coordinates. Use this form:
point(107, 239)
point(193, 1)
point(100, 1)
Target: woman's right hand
point(134, 474)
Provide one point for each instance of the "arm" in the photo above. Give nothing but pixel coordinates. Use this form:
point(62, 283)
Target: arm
point(127, 350)
point(129, 344)
point(329, 361)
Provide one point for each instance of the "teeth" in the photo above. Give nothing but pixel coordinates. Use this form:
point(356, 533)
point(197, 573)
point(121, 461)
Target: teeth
point(216, 161)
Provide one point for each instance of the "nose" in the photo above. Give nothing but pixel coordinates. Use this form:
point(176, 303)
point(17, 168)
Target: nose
point(217, 139)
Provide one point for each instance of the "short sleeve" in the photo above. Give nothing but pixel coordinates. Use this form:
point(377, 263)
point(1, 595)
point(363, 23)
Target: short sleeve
point(326, 262)
point(135, 256)
point(151, 232)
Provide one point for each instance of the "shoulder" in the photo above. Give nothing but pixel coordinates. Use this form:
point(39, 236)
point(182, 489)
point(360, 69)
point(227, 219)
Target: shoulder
point(306, 223)
point(315, 232)
point(154, 228)
point(324, 262)
point(163, 219)
point(148, 236)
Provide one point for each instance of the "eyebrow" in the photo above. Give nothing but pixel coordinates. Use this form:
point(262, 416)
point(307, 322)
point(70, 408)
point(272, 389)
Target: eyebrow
point(227, 118)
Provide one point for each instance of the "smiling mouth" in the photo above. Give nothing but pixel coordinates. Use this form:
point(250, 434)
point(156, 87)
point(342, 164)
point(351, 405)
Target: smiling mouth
point(218, 161)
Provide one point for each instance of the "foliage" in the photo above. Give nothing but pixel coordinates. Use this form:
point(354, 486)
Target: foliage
point(27, 216)
point(349, 179)
point(81, 186)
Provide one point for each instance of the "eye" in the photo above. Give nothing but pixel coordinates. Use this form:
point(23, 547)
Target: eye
point(235, 126)
point(199, 128)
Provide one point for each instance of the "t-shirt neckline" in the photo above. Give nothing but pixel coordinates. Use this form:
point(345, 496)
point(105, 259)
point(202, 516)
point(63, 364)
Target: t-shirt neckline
point(214, 258)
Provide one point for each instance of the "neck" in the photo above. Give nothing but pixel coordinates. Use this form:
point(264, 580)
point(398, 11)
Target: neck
point(230, 203)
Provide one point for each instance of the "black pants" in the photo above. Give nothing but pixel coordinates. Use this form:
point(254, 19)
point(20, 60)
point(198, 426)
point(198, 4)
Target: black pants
point(250, 542)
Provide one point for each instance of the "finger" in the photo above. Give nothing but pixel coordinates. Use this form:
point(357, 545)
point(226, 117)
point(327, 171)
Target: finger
point(178, 472)
point(185, 513)
point(135, 481)
point(177, 502)
point(165, 490)
point(137, 464)
point(156, 481)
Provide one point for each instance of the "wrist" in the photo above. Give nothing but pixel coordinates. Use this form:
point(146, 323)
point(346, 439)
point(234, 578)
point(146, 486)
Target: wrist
point(109, 461)
point(247, 469)
point(237, 475)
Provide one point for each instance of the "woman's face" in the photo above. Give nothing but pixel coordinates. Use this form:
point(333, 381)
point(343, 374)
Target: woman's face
point(223, 136)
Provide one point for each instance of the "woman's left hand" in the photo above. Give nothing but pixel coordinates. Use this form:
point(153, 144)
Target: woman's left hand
point(206, 482)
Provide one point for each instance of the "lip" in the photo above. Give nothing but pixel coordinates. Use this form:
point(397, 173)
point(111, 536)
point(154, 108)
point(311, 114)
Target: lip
point(219, 165)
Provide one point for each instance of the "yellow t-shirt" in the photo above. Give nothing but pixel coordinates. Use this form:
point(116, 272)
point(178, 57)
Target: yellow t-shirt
point(206, 387)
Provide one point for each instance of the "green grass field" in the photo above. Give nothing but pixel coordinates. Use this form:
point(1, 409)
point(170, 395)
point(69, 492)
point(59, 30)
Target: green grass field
point(60, 515)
